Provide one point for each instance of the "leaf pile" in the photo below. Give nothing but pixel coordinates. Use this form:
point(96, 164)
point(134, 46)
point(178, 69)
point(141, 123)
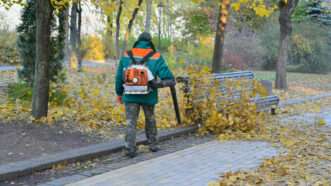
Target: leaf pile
point(223, 112)
point(306, 161)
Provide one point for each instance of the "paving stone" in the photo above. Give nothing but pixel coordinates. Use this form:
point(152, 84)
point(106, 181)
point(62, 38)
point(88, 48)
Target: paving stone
point(94, 172)
point(64, 180)
point(195, 166)
point(304, 99)
point(310, 118)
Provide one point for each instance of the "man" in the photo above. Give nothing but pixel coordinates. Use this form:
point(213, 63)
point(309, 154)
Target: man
point(136, 85)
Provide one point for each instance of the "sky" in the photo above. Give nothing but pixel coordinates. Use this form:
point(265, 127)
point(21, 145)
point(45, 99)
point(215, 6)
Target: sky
point(11, 17)
point(91, 24)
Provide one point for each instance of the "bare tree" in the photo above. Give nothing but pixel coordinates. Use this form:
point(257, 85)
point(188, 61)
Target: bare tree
point(118, 29)
point(149, 4)
point(40, 96)
point(75, 32)
point(79, 52)
point(286, 10)
point(73, 29)
point(133, 17)
point(65, 15)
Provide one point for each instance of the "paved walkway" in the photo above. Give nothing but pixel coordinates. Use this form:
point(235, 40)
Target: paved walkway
point(195, 166)
point(8, 68)
point(310, 118)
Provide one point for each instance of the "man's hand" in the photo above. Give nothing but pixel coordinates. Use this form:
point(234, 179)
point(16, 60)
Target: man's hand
point(119, 100)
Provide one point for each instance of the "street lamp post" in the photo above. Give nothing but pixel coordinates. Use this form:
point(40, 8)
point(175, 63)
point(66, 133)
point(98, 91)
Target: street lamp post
point(160, 7)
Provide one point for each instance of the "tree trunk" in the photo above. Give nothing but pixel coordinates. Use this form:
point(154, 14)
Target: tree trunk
point(281, 76)
point(66, 30)
point(73, 29)
point(63, 34)
point(80, 54)
point(159, 28)
point(220, 36)
point(118, 28)
point(133, 17)
point(168, 20)
point(109, 37)
point(148, 15)
point(41, 78)
point(286, 10)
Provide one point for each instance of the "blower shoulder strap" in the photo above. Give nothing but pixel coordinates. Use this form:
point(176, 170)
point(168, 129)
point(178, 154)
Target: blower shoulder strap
point(144, 60)
point(131, 57)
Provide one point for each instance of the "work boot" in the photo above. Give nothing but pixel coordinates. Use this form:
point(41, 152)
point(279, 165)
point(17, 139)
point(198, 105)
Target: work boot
point(131, 154)
point(154, 148)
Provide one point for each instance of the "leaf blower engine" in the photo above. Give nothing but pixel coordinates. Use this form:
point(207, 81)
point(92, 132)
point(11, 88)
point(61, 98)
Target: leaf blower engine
point(137, 76)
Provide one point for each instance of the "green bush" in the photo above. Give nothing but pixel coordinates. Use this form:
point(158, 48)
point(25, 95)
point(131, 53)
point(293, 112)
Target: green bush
point(57, 95)
point(23, 91)
point(8, 51)
point(269, 40)
point(19, 91)
point(310, 51)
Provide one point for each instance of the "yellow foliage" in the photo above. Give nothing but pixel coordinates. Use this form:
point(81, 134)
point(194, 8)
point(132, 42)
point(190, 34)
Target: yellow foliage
point(206, 40)
point(94, 48)
point(260, 8)
point(262, 11)
point(236, 6)
point(60, 3)
point(73, 62)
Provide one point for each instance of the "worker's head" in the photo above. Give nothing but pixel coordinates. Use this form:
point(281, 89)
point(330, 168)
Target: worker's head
point(145, 37)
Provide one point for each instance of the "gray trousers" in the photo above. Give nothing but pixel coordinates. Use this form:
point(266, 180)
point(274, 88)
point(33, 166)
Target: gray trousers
point(132, 113)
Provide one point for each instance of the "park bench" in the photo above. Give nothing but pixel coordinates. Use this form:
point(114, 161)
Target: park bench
point(232, 94)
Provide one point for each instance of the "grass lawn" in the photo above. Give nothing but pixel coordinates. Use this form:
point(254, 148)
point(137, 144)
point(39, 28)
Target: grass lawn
point(300, 84)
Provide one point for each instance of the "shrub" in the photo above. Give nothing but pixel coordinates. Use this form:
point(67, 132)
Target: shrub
point(8, 51)
point(269, 40)
point(94, 48)
point(23, 91)
point(20, 91)
point(243, 49)
point(234, 61)
point(310, 53)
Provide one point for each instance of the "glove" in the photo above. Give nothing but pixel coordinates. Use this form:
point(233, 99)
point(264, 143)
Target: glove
point(119, 100)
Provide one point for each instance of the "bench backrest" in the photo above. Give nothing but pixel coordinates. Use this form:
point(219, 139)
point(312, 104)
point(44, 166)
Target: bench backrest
point(233, 75)
point(234, 92)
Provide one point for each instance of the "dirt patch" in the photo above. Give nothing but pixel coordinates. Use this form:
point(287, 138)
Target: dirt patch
point(21, 141)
